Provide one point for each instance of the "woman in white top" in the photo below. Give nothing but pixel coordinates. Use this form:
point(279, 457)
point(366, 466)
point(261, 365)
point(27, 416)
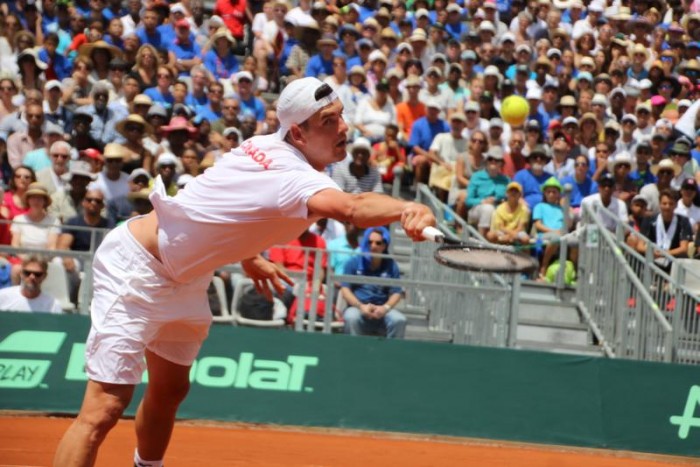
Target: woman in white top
point(35, 229)
point(374, 114)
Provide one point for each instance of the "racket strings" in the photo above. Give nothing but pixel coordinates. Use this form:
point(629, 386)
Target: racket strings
point(482, 259)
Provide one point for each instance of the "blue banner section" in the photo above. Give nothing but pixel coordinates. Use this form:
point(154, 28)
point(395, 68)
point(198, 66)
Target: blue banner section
point(273, 376)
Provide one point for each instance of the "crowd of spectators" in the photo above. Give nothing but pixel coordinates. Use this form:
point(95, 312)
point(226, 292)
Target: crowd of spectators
point(98, 97)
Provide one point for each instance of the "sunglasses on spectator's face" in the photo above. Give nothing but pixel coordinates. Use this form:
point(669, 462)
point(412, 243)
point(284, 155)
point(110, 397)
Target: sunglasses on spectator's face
point(665, 172)
point(37, 274)
point(98, 201)
point(581, 164)
point(136, 128)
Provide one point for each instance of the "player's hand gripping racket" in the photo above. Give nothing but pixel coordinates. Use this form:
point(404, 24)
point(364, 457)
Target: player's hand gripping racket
point(478, 257)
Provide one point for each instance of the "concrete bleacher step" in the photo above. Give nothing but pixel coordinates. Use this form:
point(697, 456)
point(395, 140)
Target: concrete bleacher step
point(545, 332)
point(587, 350)
point(422, 333)
point(404, 250)
point(554, 313)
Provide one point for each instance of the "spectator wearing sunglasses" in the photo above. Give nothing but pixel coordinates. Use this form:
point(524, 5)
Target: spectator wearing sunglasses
point(73, 238)
point(28, 297)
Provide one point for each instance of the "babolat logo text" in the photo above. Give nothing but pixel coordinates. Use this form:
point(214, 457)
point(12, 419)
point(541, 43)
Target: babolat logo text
point(24, 373)
point(253, 373)
point(247, 372)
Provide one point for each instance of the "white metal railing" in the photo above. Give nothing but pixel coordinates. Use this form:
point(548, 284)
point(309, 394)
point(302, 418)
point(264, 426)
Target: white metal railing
point(635, 308)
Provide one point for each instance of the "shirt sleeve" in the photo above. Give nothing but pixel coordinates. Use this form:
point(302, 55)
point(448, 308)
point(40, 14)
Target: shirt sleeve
point(298, 188)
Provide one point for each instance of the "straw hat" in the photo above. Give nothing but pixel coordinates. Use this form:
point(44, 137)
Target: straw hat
point(666, 164)
point(221, 32)
point(86, 50)
point(640, 49)
point(137, 119)
point(114, 151)
point(37, 189)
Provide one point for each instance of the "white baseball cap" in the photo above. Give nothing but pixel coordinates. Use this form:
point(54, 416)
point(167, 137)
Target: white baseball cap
point(52, 84)
point(300, 100)
point(243, 75)
point(534, 94)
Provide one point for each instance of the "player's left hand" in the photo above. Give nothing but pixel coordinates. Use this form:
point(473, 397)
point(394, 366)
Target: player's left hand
point(264, 273)
point(416, 217)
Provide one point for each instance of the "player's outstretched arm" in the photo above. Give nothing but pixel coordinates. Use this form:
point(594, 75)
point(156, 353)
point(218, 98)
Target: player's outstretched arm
point(371, 209)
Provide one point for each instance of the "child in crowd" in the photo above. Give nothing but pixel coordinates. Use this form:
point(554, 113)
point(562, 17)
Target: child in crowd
point(510, 220)
point(548, 217)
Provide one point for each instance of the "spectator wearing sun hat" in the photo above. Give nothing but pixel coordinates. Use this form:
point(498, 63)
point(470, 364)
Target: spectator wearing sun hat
point(67, 203)
point(664, 171)
point(112, 181)
point(531, 178)
point(321, 64)
point(680, 154)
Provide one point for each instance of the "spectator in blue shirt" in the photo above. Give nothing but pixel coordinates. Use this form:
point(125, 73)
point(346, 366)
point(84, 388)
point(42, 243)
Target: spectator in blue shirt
point(187, 52)
point(349, 35)
point(454, 25)
point(213, 110)
point(58, 66)
point(371, 308)
point(532, 178)
point(160, 94)
point(250, 103)
point(220, 60)
point(695, 152)
point(113, 10)
point(321, 64)
point(148, 32)
point(581, 182)
point(642, 174)
point(197, 98)
point(423, 132)
point(548, 219)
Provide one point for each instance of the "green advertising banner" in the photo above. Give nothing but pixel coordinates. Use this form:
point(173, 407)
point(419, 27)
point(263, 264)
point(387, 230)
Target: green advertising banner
point(289, 378)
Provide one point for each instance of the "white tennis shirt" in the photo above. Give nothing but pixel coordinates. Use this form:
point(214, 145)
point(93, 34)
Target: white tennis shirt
point(253, 198)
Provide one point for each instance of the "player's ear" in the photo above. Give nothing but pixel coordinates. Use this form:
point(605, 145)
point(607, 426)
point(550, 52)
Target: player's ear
point(296, 134)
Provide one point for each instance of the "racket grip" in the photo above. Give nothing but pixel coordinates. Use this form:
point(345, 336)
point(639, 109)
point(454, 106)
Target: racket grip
point(433, 234)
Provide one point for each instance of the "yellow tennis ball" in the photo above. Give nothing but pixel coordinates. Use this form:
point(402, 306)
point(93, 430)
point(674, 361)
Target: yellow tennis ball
point(514, 110)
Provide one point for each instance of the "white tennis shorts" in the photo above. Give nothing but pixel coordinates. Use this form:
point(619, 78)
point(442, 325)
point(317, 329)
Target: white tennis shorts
point(135, 307)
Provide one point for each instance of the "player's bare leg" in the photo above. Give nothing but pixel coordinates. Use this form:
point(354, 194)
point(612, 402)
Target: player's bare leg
point(103, 404)
point(168, 384)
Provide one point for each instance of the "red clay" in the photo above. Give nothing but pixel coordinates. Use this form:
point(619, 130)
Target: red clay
point(31, 440)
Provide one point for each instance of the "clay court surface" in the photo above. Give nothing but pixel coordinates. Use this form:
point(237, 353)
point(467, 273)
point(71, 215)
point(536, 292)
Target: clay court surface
point(30, 441)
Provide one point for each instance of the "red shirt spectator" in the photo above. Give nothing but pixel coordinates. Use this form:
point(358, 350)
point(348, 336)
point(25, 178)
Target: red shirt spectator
point(234, 15)
point(292, 257)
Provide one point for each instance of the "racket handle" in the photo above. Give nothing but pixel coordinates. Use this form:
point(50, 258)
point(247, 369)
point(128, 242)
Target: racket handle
point(433, 234)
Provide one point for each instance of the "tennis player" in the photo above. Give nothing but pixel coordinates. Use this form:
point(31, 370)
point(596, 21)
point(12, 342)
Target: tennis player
point(150, 307)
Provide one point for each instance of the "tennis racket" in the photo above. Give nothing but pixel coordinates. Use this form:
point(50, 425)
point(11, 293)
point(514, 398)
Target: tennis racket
point(477, 256)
